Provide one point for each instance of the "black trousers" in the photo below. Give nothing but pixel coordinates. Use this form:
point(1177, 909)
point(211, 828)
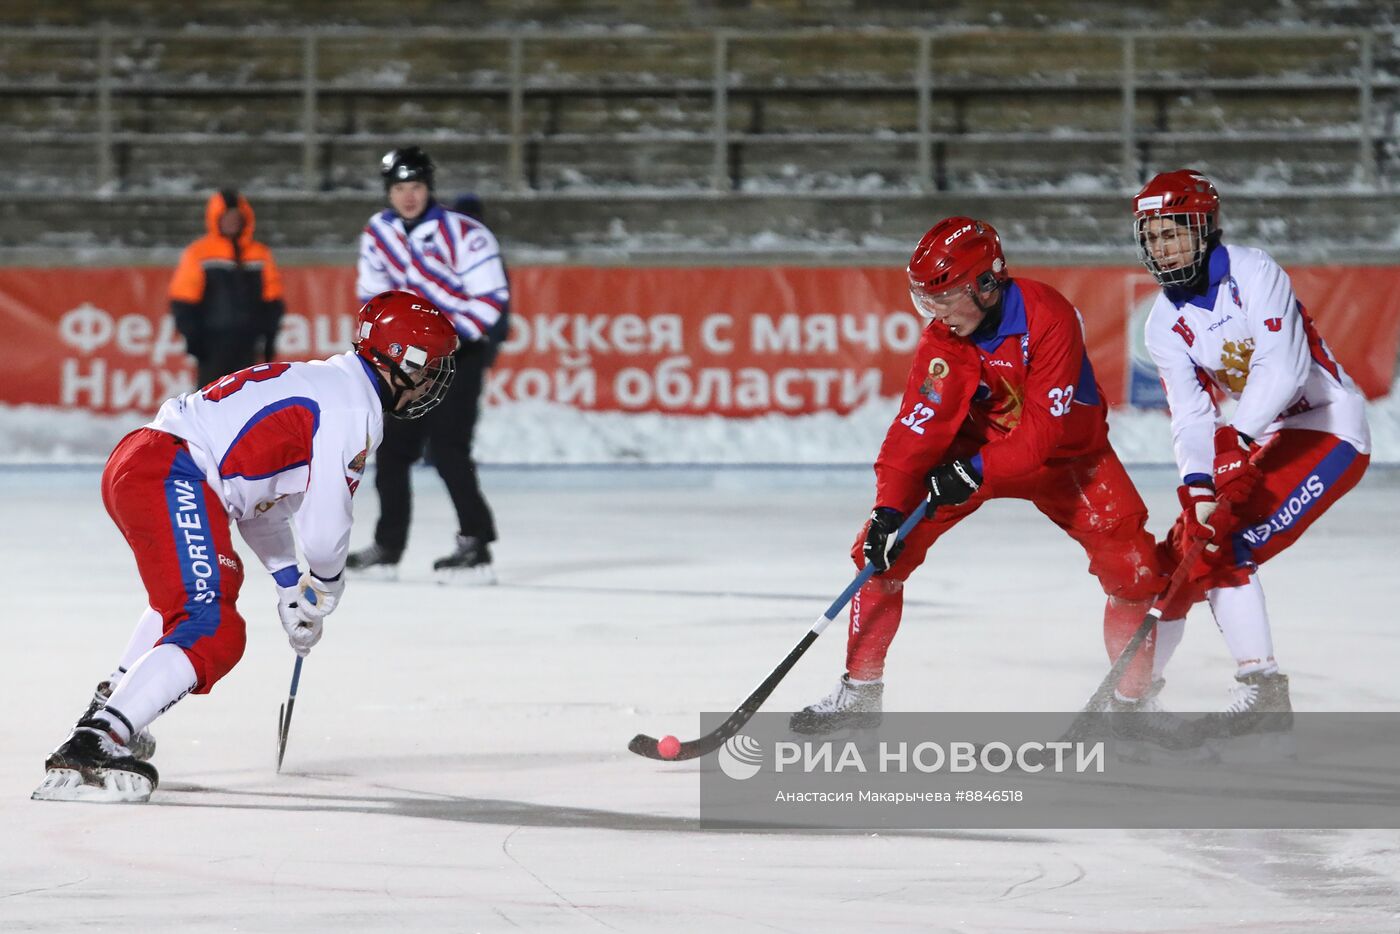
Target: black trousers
point(446, 433)
point(226, 353)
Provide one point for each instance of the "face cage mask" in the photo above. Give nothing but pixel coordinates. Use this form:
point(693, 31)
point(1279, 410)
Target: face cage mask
point(437, 375)
point(1196, 226)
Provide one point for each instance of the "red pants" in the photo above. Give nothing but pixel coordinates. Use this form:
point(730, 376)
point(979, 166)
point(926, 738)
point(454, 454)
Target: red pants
point(179, 532)
point(1305, 472)
point(1091, 498)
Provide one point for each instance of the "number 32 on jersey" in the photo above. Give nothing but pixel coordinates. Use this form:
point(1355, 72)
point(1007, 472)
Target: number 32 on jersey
point(1060, 400)
point(916, 418)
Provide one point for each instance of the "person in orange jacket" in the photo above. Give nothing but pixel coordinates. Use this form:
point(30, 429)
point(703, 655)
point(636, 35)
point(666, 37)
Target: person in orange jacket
point(226, 295)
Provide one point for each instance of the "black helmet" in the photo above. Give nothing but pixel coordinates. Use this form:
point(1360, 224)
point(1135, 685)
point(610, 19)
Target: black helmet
point(409, 164)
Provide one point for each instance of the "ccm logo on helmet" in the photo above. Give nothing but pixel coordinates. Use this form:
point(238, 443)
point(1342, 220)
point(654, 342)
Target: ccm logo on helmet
point(956, 234)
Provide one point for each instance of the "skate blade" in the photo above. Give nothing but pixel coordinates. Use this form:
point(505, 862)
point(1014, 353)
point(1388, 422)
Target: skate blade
point(1255, 748)
point(376, 572)
point(861, 729)
point(482, 576)
point(108, 786)
point(1142, 752)
point(142, 746)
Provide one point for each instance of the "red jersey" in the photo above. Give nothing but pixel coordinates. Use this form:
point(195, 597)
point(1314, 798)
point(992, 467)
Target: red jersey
point(1012, 402)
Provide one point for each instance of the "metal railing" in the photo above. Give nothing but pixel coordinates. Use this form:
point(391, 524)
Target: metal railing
point(921, 84)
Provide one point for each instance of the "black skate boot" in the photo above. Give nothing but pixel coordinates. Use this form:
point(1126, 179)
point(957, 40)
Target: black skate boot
point(1142, 726)
point(92, 765)
point(469, 564)
point(850, 706)
point(374, 562)
point(1260, 704)
point(1257, 727)
point(142, 743)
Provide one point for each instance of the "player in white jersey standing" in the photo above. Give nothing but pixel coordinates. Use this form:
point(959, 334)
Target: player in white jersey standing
point(275, 447)
point(453, 261)
point(1227, 325)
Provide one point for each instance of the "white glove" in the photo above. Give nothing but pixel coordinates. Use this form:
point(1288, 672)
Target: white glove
point(301, 634)
point(318, 598)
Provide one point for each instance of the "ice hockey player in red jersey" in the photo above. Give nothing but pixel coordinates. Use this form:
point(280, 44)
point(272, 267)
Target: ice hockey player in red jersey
point(275, 447)
point(1001, 403)
point(1227, 325)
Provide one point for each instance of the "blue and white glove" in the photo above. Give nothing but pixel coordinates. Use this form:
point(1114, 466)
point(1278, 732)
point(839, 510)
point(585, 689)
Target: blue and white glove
point(301, 634)
point(318, 598)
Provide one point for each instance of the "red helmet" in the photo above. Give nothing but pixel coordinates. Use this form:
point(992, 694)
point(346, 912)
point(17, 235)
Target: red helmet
point(1189, 200)
point(957, 253)
point(412, 342)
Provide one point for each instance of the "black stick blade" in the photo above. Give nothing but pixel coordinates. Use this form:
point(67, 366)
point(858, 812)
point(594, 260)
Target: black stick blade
point(646, 746)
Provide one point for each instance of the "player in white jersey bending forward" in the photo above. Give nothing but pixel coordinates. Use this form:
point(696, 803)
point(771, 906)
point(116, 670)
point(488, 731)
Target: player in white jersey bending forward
point(272, 447)
point(1227, 324)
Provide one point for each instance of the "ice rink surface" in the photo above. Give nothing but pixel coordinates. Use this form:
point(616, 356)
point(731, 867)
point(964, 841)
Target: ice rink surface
point(458, 757)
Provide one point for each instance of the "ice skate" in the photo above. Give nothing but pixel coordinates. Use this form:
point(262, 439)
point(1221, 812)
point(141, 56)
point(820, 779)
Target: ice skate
point(374, 563)
point(850, 706)
point(92, 766)
point(1143, 729)
point(1259, 704)
point(1258, 723)
point(469, 564)
point(142, 743)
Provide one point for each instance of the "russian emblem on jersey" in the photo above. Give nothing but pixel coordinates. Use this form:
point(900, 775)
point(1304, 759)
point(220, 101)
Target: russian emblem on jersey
point(1234, 291)
point(1234, 359)
point(355, 470)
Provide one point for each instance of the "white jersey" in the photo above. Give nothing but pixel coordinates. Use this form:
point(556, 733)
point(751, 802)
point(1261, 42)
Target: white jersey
point(448, 258)
point(1251, 338)
point(284, 444)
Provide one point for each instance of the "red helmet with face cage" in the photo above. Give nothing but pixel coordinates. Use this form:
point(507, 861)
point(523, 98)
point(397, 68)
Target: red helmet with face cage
point(956, 254)
point(412, 343)
point(1189, 200)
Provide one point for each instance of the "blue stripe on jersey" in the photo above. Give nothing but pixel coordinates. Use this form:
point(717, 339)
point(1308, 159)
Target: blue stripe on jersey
point(194, 548)
point(370, 372)
point(392, 259)
point(1303, 499)
point(1086, 390)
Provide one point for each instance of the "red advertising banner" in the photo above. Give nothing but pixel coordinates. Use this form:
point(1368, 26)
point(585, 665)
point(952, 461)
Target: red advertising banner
point(738, 342)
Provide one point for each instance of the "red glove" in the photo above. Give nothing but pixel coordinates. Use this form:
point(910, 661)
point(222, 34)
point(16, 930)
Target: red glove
point(1235, 474)
point(1204, 518)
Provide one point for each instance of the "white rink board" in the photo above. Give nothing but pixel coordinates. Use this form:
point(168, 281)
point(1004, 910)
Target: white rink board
point(458, 757)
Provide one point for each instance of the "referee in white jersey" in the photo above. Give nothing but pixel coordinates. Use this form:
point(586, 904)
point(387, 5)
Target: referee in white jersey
point(452, 260)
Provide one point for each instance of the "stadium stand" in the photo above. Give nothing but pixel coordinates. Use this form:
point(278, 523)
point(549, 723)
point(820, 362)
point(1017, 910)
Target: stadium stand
point(836, 127)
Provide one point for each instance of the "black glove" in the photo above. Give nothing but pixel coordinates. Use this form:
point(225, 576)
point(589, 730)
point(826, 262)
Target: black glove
point(953, 483)
point(881, 549)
